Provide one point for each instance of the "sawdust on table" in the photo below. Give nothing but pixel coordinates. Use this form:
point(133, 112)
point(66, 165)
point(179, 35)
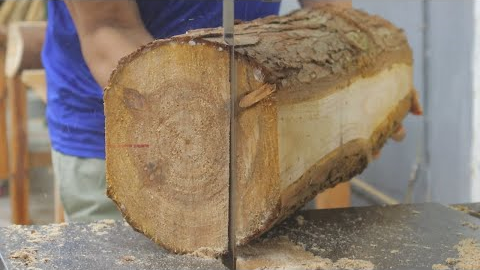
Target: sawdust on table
point(468, 256)
point(126, 259)
point(206, 253)
point(471, 225)
point(44, 233)
point(24, 256)
point(300, 220)
point(280, 253)
point(29, 256)
point(439, 266)
point(465, 209)
point(100, 227)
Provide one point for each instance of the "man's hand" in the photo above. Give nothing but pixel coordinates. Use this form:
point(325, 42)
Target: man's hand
point(108, 30)
point(400, 133)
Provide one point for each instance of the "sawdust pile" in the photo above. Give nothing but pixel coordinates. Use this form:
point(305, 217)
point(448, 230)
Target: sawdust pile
point(280, 253)
point(100, 227)
point(440, 267)
point(45, 233)
point(24, 256)
point(468, 257)
point(206, 253)
point(465, 209)
point(471, 225)
point(126, 259)
point(29, 256)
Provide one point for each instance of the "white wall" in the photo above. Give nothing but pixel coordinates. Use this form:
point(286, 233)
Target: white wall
point(441, 35)
point(475, 192)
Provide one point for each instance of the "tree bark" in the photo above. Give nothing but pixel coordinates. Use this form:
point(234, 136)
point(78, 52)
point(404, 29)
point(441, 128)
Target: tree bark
point(319, 91)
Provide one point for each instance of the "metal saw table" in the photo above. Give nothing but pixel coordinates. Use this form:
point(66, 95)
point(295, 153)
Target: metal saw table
point(391, 237)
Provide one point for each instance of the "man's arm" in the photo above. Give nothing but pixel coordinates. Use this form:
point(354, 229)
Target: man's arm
point(108, 30)
point(318, 3)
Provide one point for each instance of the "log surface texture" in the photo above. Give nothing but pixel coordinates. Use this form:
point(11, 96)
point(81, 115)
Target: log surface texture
point(319, 91)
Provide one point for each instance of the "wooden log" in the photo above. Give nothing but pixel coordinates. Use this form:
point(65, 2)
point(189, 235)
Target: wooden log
point(319, 91)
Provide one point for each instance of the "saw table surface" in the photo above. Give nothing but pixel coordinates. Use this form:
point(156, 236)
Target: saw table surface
point(391, 237)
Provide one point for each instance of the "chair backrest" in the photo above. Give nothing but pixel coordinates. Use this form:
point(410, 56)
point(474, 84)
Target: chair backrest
point(24, 46)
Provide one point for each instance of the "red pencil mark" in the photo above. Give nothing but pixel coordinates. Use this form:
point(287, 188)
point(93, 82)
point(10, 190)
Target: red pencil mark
point(132, 145)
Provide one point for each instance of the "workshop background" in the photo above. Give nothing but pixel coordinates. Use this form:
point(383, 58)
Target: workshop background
point(443, 145)
point(440, 156)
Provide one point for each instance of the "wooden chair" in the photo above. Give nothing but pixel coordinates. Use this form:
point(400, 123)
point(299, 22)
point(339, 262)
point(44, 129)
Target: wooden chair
point(336, 197)
point(23, 70)
point(12, 11)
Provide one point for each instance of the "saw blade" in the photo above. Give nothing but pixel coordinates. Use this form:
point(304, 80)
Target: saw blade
point(228, 35)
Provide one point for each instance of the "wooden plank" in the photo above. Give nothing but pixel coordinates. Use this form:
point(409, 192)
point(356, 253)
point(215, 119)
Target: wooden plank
point(4, 165)
point(19, 181)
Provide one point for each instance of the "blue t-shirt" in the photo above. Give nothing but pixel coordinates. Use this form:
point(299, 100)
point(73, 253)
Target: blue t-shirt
point(75, 101)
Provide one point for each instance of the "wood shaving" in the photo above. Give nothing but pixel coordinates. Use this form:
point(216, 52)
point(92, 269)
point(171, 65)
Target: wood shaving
point(350, 264)
point(43, 234)
point(465, 209)
point(468, 256)
point(300, 220)
point(100, 227)
point(460, 208)
point(440, 267)
point(451, 261)
point(206, 253)
point(471, 225)
point(24, 256)
point(127, 259)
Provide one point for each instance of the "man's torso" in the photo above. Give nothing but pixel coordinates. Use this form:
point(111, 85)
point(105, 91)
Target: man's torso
point(75, 101)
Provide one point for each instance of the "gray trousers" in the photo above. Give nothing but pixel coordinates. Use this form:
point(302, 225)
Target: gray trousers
point(82, 186)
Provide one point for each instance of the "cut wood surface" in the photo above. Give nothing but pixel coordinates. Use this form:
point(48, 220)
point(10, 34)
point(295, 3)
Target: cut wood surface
point(319, 91)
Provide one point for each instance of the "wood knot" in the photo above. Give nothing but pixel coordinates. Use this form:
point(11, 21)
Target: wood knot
point(133, 99)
